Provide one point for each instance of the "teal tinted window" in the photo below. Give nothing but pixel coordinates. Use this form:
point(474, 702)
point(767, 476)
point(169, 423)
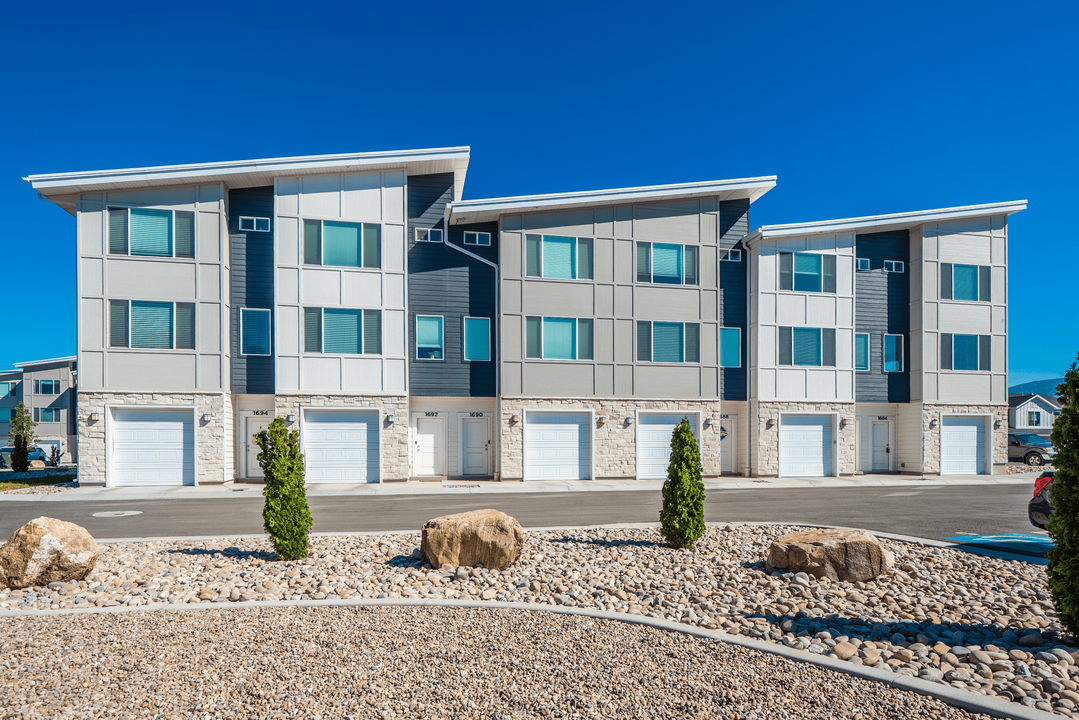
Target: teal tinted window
point(667, 342)
point(861, 351)
point(584, 258)
point(807, 272)
point(151, 325)
point(585, 350)
point(185, 326)
point(965, 285)
point(312, 330)
point(965, 351)
point(151, 232)
point(532, 255)
point(372, 332)
point(118, 329)
point(477, 339)
point(807, 347)
point(118, 231)
point(559, 257)
point(667, 264)
point(644, 341)
point(730, 347)
point(644, 263)
point(312, 242)
point(428, 337)
point(533, 337)
point(341, 331)
point(560, 338)
point(893, 353)
point(372, 246)
point(341, 244)
point(185, 234)
point(693, 342)
point(254, 331)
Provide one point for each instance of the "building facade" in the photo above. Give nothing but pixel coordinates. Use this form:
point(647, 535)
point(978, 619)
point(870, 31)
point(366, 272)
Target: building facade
point(47, 388)
point(408, 334)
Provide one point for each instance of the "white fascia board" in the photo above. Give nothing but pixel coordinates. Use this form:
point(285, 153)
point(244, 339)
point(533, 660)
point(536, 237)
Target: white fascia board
point(878, 223)
point(35, 363)
point(10, 373)
point(455, 160)
point(489, 209)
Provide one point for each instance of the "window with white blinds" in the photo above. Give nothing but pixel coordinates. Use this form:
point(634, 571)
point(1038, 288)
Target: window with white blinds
point(151, 232)
point(807, 347)
point(668, 342)
point(668, 264)
point(557, 256)
point(559, 338)
point(342, 244)
point(342, 331)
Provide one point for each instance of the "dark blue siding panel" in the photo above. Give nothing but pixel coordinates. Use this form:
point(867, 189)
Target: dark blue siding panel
point(882, 306)
point(252, 284)
point(733, 281)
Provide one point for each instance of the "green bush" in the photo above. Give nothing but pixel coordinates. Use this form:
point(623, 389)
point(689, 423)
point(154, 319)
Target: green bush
point(682, 517)
point(1064, 495)
point(21, 433)
point(286, 517)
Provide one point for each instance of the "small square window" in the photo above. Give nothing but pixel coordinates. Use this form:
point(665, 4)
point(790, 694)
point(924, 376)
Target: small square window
point(429, 235)
point(893, 266)
point(254, 224)
point(733, 255)
point(863, 263)
point(477, 238)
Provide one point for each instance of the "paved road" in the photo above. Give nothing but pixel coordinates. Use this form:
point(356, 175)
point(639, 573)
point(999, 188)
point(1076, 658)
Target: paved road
point(931, 512)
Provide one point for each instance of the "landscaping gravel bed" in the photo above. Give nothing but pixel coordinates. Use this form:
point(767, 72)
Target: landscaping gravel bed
point(981, 624)
point(411, 663)
point(43, 489)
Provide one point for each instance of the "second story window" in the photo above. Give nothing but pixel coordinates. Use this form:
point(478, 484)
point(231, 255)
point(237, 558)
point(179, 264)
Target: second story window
point(666, 264)
point(807, 347)
point(46, 415)
point(966, 352)
point(7, 389)
point(151, 325)
point(342, 244)
point(342, 331)
point(254, 331)
point(46, 387)
point(668, 342)
point(478, 238)
point(254, 224)
point(972, 283)
point(893, 353)
point(430, 339)
point(894, 266)
point(477, 334)
point(152, 233)
point(807, 272)
point(558, 338)
point(861, 352)
point(730, 347)
point(556, 256)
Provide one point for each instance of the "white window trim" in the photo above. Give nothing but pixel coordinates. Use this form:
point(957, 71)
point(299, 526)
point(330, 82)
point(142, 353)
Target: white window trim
point(858, 264)
point(254, 223)
point(902, 266)
point(464, 339)
point(732, 255)
point(883, 353)
point(428, 232)
point(720, 363)
point(443, 338)
point(591, 436)
point(129, 208)
point(868, 352)
point(478, 234)
point(242, 353)
point(322, 242)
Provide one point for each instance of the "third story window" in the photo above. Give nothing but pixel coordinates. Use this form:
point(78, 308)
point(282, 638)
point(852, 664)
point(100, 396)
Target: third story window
point(151, 325)
point(46, 387)
point(342, 331)
point(894, 266)
point(556, 256)
point(730, 347)
point(429, 235)
point(7, 389)
point(429, 337)
point(668, 342)
point(254, 224)
point(966, 352)
point(150, 232)
point(732, 255)
point(807, 272)
point(254, 331)
point(666, 264)
point(972, 283)
point(558, 338)
point(862, 263)
point(861, 352)
point(807, 347)
point(477, 238)
point(46, 414)
point(342, 244)
point(893, 353)
point(477, 335)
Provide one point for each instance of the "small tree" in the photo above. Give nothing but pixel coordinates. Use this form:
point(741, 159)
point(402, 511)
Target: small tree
point(682, 517)
point(1063, 567)
point(286, 517)
point(21, 433)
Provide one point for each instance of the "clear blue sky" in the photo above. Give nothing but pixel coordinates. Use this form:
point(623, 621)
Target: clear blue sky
point(859, 109)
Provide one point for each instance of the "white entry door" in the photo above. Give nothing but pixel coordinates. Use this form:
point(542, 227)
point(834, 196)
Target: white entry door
point(654, 431)
point(728, 444)
point(254, 426)
point(962, 445)
point(558, 446)
point(428, 445)
point(476, 446)
point(341, 446)
point(152, 447)
point(805, 445)
point(880, 445)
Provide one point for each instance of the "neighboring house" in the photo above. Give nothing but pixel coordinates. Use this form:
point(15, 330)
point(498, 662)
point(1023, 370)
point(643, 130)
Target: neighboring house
point(1033, 413)
point(10, 397)
point(406, 333)
point(47, 388)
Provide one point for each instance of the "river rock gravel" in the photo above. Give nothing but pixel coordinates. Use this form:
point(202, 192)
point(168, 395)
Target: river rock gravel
point(411, 663)
point(985, 625)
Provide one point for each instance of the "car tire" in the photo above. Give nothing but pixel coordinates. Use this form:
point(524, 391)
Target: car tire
point(1034, 460)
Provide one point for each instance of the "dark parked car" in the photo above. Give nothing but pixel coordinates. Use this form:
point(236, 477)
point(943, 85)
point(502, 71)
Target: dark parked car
point(1032, 449)
point(1039, 510)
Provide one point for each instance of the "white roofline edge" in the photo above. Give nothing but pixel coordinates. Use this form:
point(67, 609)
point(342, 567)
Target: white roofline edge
point(32, 363)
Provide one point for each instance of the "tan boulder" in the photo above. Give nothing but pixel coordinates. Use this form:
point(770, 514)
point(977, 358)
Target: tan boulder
point(37, 464)
point(489, 538)
point(848, 555)
point(45, 550)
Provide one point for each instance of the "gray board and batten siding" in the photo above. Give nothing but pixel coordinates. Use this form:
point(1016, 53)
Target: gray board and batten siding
point(883, 307)
point(450, 284)
point(733, 284)
point(252, 284)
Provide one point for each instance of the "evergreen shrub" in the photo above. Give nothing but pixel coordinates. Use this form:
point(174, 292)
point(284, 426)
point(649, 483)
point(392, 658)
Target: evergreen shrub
point(285, 514)
point(682, 517)
point(21, 433)
point(1063, 566)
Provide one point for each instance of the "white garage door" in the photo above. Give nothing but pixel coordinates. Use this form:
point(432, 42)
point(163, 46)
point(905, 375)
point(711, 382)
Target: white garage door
point(152, 447)
point(962, 446)
point(557, 446)
point(341, 446)
point(654, 442)
point(805, 445)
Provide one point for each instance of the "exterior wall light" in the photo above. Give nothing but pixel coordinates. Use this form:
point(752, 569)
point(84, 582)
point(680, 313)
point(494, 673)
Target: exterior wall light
point(629, 420)
point(996, 425)
point(843, 423)
point(932, 423)
point(514, 419)
point(602, 419)
point(389, 419)
point(771, 423)
point(708, 422)
point(93, 417)
point(207, 417)
point(290, 418)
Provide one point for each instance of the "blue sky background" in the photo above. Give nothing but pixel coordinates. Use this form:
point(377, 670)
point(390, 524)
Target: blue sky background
point(859, 108)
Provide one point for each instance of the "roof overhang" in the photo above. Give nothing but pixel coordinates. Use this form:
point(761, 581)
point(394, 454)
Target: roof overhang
point(53, 361)
point(63, 187)
point(882, 223)
point(9, 373)
point(487, 210)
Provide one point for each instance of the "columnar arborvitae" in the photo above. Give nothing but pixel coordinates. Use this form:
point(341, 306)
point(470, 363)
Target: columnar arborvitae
point(1064, 495)
point(21, 433)
point(286, 517)
point(682, 517)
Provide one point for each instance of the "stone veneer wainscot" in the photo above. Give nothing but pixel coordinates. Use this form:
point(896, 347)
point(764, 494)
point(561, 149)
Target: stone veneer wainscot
point(764, 440)
point(931, 435)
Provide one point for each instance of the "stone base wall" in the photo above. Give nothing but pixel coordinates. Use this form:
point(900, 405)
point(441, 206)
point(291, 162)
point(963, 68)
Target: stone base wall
point(615, 442)
point(394, 437)
point(931, 435)
point(210, 467)
point(764, 440)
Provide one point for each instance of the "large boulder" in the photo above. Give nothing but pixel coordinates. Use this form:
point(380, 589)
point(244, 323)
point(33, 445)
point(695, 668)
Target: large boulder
point(45, 550)
point(489, 538)
point(848, 555)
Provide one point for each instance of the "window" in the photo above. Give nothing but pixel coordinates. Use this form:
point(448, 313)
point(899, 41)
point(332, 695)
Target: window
point(965, 352)
point(667, 342)
point(861, 352)
point(807, 272)
point(153, 233)
point(477, 238)
point(477, 334)
point(893, 353)
point(554, 256)
point(7, 389)
point(429, 235)
point(894, 266)
point(46, 414)
point(732, 255)
point(556, 338)
point(972, 283)
point(6, 414)
point(46, 387)
point(730, 347)
point(429, 337)
point(1034, 419)
point(151, 325)
point(254, 331)
point(254, 224)
point(342, 331)
point(807, 347)
point(862, 263)
point(666, 264)
point(342, 244)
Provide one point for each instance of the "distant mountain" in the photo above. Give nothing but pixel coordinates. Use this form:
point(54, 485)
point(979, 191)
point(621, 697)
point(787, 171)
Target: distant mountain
point(1044, 387)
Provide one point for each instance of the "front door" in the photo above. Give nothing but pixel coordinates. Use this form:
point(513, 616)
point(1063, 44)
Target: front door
point(253, 426)
point(428, 446)
point(727, 444)
point(476, 445)
point(880, 446)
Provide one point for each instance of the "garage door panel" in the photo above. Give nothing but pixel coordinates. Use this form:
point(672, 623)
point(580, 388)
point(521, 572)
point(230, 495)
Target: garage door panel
point(557, 446)
point(654, 434)
point(341, 446)
point(152, 447)
point(962, 445)
point(805, 446)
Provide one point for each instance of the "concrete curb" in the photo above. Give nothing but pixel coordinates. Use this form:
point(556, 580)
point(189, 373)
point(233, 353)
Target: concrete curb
point(958, 698)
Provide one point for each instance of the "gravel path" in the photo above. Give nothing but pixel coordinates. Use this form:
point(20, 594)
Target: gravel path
point(411, 663)
point(981, 624)
point(43, 489)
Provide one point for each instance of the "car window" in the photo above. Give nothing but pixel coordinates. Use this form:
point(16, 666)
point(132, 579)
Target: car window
point(1035, 440)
